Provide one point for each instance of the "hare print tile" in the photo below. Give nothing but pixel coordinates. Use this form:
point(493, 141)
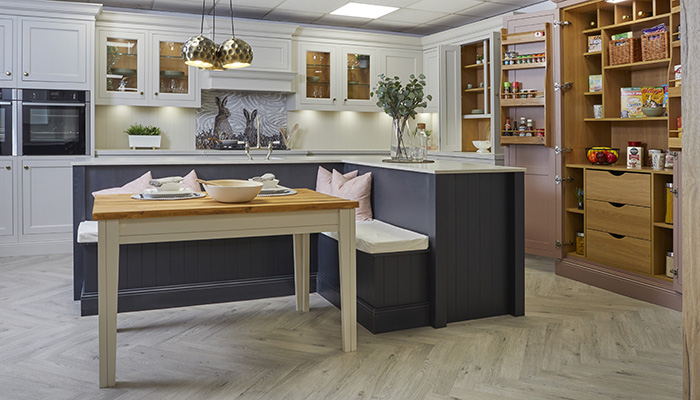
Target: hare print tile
point(234, 115)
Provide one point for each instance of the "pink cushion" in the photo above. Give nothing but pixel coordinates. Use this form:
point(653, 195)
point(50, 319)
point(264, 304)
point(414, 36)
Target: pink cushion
point(138, 185)
point(190, 182)
point(358, 189)
point(324, 178)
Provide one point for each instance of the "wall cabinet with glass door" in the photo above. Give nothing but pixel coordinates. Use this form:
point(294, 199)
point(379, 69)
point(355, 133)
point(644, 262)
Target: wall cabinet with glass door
point(136, 68)
point(335, 78)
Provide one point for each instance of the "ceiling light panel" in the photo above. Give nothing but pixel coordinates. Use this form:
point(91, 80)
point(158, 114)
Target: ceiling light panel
point(361, 10)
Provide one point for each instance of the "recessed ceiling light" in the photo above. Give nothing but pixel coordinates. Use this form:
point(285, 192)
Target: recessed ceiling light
point(363, 10)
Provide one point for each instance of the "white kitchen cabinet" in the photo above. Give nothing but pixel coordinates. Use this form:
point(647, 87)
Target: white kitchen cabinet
point(138, 67)
point(47, 193)
point(54, 52)
point(7, 199)
point(7, 45)
point(401, 63)
point(431, 68)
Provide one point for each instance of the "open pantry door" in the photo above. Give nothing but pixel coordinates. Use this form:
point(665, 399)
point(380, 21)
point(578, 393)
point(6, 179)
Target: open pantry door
point(450, 95)
point(543, 189)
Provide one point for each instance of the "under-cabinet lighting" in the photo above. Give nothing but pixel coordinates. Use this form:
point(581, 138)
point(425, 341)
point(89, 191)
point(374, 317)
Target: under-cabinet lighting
point(363, 10)
point(614, 1)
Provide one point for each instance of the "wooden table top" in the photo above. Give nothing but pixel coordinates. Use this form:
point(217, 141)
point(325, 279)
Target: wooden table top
point(122, 206)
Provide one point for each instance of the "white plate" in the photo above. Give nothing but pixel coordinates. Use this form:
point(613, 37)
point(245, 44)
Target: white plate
point(169, 193)
point(275, 190)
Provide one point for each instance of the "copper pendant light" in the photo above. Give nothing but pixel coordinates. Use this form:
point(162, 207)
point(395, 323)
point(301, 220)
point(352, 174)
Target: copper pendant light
point(234, 52)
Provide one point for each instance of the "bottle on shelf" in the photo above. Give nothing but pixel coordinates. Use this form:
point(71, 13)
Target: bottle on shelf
point(508, 127)
point(530, 128)
point(420, 144)
point(522, 128)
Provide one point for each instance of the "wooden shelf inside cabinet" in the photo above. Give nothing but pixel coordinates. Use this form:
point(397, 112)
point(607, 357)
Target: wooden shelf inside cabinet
point(675, 143)
point(473, 66)
point(663, 225)
point(523, 140)
point(637, 24)
point(645, 119)
point(639, 65)
point(574, 210)
point(676, 43)
point(593, 93)
point(593, 53)
point(674, 91)
point(522, 38)
point(529, 102)
point(474, 90)
point(523, 66)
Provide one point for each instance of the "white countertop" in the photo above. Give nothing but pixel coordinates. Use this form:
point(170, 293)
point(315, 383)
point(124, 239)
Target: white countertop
point(438, 167)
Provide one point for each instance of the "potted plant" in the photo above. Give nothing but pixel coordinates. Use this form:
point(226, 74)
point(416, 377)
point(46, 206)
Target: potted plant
point(143, 136)
point(362, 60)
point(400, 103)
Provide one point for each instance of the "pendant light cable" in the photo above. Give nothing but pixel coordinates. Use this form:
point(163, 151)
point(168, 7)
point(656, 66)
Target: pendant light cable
point(201, 28)
point(230, 6)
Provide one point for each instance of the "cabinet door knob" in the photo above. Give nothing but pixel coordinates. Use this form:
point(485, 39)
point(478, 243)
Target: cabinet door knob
point(8, 73)
point(7, 167)
point(334, 99)
point(156, 93)
point(26, 167)
point(141, 93)
point(26, 73)
point(345, 100)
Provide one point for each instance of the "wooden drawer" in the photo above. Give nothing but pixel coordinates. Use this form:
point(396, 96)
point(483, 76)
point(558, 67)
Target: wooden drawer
point(619, 187)
point(620, 252)
point(622, 219)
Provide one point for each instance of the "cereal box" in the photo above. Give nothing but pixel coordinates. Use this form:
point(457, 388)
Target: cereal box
point(631, 102)
point(595, 43)
point(595, 83)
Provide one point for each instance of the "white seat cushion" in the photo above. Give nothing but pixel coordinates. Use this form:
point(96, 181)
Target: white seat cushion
point(87, 232)
point(376, 237)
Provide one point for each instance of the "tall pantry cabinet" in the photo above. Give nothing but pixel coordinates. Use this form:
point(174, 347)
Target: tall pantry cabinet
point(621, 216)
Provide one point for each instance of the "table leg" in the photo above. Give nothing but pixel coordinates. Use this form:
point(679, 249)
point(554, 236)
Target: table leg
point(107, 285)
point(301, 270)
point(348, 279)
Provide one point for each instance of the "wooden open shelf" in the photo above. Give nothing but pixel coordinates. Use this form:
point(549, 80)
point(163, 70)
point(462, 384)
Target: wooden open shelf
point(593, 53)
point(574, 210)
point(674, 91)
point(593, 93)
point(675, 143)
point(663, 225)
point(522, 140)
point(639, 65)
point(523, 66)
point(522, 38)
point(637, 24)
point(529, 102)
point(479, 65)
point(474, 90)
point(644, 119)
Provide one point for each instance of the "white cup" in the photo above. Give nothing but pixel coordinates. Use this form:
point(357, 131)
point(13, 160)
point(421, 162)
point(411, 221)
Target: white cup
point(271, 184)
point(169, 187)
point(598, 111)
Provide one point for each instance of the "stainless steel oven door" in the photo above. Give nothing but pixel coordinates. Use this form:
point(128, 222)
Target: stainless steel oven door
point(53, 128)
point(5, 128)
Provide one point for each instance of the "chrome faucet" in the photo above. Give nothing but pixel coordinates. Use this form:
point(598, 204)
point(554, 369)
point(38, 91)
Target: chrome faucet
point(247, 151)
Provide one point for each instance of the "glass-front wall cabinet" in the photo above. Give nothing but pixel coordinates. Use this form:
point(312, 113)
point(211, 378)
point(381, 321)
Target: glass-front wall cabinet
point(122, 73)
point(318, 75)
point(172, 72)
point(358, 76)
point(172, 81)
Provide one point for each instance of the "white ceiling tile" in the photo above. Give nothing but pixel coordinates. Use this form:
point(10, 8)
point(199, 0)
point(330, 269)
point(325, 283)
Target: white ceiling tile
point(521, 3)
point(181, 6)
point(446, 6)
point(393, 26)
point(454, 20)
point(223, 10)
point(322, 6)
point(249, 3)
point(140, 4)
point(488, 9)
point(388, 3)
point(292, 16)
point(425, 29)
point(415, 16)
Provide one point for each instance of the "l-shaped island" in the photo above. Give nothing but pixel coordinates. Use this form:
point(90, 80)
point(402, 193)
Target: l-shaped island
point(473, 215)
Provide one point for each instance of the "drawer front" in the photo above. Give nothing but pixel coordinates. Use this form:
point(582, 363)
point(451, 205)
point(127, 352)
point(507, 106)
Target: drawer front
point(622, 219)
point(626, 253)
point(626, 188)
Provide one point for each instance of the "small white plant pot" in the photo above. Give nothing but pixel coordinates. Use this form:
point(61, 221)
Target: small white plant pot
point(142, 141)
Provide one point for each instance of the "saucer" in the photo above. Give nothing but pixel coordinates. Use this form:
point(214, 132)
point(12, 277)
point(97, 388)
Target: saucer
point(183, 192)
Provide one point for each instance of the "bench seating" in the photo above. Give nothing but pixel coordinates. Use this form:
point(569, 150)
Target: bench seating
point(392, 276)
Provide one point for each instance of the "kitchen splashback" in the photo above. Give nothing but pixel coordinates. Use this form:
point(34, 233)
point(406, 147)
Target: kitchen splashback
point(232, 115)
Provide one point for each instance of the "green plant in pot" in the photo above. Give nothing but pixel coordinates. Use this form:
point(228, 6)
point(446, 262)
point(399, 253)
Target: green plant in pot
point(143, 136)
point(400, 103)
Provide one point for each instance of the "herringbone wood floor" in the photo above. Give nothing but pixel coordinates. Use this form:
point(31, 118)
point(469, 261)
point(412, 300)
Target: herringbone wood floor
point(575, 342)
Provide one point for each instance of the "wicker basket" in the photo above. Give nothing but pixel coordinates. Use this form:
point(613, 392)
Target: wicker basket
point(625, 51)
point(655, 46)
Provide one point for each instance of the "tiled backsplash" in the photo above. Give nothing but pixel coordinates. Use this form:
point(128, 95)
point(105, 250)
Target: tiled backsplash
point(232, 115)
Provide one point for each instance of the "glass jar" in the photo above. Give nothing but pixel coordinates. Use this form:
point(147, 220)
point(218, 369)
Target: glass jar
point(670, 267)
point(580, 243)
point(420, 143)
point(669, 203)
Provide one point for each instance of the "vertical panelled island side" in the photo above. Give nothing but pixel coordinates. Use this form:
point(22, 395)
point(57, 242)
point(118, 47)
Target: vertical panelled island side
point(472, 215)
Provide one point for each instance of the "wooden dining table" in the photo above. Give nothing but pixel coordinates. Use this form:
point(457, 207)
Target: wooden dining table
point(123, 220)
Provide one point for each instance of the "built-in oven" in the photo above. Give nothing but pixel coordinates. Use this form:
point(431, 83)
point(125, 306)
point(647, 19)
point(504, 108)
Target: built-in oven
point(6, 113)
point(54, 122)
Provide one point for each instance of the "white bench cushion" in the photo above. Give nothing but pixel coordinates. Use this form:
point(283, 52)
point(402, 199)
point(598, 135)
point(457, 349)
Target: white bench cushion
point(87, 232)
point(376, 237)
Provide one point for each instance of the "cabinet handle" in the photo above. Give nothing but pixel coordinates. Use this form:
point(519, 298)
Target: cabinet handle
point(7, 167)
point(26, 167)
point(141, 93)
point(8, 73)
point(156, 93)
point(345, 100)
point(26, 73)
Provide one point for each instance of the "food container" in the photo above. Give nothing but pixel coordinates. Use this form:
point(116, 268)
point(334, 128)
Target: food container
point(634, 154)
point(602, 155)
point(580, 243)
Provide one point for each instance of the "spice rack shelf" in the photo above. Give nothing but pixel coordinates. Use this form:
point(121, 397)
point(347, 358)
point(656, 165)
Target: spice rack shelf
point(539, 84)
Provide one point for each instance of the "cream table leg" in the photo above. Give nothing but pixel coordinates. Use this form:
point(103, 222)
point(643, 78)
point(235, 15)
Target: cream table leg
point(107, 285)
point(301, 270)
point(348, 279)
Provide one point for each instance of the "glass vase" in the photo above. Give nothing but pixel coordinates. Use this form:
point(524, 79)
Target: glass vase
point(399, 149)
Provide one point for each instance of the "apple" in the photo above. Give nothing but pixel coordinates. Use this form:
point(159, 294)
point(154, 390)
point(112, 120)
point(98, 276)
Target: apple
point(600, 157)
point(611, 157)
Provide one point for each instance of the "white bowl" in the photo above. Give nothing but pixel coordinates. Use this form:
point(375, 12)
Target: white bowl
point(233, 190)
point(482, 145)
